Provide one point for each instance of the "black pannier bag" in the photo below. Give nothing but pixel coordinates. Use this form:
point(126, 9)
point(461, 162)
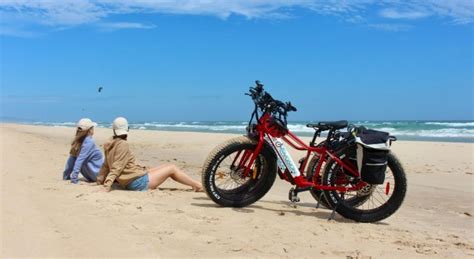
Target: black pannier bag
point(372, 155)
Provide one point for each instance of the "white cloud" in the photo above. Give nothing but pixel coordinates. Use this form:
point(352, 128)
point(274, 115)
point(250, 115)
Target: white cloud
point(390, 27)
point(68, 13)
point(125, 25)
point(54, 12)
point(458, 11)
point(18, 32)
point(398, 14)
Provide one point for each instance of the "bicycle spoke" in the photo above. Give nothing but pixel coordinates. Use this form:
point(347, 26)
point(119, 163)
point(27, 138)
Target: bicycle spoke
point(229, 177)
point(374, 198)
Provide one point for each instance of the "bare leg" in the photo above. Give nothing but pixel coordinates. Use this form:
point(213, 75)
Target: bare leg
point(159, 174)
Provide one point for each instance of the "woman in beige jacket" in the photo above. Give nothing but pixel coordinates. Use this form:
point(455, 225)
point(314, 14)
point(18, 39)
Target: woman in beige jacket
point(120, 166)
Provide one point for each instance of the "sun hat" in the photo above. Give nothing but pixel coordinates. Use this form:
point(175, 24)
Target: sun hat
point(85, 124)
point(120, 126)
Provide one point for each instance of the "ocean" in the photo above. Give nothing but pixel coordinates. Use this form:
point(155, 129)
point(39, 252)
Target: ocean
point(445, 131)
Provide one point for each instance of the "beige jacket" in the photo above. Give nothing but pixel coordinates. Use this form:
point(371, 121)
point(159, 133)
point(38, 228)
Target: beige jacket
point(119, 165)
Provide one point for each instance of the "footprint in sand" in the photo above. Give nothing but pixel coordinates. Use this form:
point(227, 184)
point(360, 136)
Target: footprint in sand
point(464, 245)
point(204, 218)
point(420, 248)
point(164, 233)
point(178, 211)
point(63, 236)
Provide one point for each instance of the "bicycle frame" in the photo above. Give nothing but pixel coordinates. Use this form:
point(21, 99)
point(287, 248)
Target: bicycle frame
point(266, 134)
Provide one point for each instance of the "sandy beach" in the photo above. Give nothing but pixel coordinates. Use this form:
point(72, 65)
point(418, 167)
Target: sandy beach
point(44, 216)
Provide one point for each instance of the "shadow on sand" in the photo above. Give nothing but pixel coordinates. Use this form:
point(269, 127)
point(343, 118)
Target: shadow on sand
point(285, 208)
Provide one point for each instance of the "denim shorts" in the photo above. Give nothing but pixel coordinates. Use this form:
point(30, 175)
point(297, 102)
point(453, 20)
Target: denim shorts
point(139, 184)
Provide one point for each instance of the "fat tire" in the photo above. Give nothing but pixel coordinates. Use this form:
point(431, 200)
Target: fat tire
point(240, 197)
point(377, 214)
point(317, 194)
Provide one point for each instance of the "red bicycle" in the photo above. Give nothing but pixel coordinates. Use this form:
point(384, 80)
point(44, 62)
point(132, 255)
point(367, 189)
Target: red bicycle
point(242, 170)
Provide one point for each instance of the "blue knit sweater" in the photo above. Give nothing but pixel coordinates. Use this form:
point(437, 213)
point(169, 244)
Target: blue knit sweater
point(88, 162)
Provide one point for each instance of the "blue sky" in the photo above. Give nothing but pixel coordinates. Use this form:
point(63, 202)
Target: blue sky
point(193, 60)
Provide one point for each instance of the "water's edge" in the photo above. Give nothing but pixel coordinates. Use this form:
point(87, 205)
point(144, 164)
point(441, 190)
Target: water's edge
point(441, 131)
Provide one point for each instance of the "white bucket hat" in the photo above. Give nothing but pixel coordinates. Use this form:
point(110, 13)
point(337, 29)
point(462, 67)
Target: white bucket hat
point(85, 124)
point(120, 126)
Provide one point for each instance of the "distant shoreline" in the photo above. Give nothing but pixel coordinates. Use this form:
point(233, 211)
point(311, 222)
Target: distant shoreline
point(427, 131)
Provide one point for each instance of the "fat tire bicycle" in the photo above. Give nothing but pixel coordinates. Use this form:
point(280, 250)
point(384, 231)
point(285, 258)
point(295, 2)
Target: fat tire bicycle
point(242, 170)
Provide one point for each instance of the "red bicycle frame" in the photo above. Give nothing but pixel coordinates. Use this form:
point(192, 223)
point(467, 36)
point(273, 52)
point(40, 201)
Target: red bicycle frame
point(265, 128)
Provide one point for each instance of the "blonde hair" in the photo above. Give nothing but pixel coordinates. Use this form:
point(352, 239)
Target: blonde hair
point(78, 140)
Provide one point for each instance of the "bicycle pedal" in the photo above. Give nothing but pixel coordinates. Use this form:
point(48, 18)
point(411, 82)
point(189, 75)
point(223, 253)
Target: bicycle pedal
point(295, 199)
point(293, 196)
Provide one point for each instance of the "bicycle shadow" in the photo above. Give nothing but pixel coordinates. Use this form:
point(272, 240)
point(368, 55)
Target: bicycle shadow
point(287, 208)
point(172, 189)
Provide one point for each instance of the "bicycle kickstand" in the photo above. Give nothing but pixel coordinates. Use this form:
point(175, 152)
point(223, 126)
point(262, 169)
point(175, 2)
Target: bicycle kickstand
point(319, 200)
point(333, 213)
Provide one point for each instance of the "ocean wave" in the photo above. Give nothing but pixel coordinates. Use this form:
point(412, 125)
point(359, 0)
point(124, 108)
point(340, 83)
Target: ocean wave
point(386, 129)
point(411, 130)
point(439, 133)
point(56, 124)
point(300, 128)
point(215, 126)
point(182, 125)
point(452, 124)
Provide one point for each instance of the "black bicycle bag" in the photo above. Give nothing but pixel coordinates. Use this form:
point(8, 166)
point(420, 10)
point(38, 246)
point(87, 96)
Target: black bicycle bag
point(372, 155)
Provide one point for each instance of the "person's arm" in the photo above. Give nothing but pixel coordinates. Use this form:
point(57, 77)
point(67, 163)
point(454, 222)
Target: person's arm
point(69, 166)
point(104, 171)
point(86, 149)
point(120, 161)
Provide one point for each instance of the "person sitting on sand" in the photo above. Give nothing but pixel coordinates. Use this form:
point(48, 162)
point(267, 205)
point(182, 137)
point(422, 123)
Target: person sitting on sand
point(84, 156)
point(120, 166)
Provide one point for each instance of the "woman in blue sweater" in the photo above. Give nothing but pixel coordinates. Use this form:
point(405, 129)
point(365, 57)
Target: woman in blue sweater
point(84, 156)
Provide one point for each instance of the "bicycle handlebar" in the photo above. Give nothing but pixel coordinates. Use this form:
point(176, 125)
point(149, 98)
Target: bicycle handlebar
point(265, 101)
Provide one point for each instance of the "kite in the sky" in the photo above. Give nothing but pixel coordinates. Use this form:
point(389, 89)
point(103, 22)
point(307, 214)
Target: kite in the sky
point(100, 89)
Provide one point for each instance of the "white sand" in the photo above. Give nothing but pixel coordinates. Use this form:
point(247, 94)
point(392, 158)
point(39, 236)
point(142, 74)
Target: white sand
point(43, 216)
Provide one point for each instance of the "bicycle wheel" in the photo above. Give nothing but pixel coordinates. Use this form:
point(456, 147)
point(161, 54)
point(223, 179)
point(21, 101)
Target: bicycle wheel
point(223, 178)
point(348, 156)
point(317, 194)
point(377, 202)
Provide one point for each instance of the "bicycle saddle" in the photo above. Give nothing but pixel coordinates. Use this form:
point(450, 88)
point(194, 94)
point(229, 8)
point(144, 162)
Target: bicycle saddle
point(325, 125)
